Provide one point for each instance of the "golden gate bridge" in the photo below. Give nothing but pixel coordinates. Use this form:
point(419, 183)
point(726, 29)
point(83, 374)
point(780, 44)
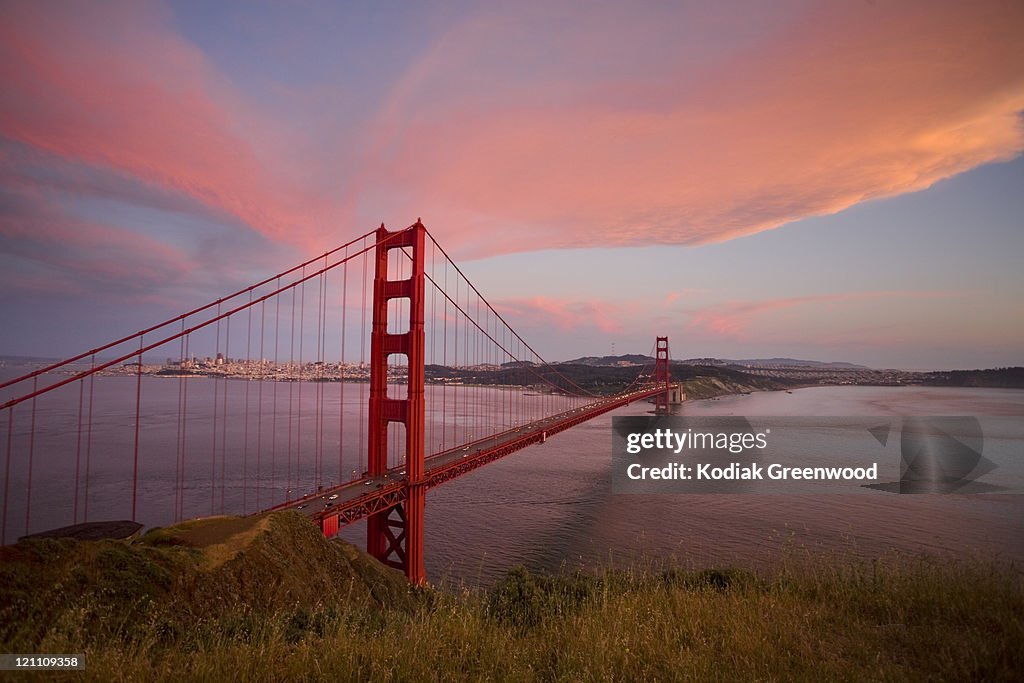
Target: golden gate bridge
point(430, 382)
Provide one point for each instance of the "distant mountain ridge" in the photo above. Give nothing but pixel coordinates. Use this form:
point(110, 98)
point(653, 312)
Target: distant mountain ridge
point(639, 359)
point(776, 363)
point(610, 361)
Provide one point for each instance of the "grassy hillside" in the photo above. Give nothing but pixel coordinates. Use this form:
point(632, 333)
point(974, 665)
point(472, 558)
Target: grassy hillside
point(180, 582)
point(268, 599)
point(706, 386)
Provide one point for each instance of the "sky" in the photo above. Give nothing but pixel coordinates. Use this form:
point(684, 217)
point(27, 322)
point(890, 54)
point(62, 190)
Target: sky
point(837, 181)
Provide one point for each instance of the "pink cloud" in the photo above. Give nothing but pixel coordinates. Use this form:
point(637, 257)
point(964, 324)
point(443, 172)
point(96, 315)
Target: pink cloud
point(733, 320)
point(111, 85)
point(83, 255)
point(562, 314)
point(626, 126)
point(849, 102)
point(672, 297)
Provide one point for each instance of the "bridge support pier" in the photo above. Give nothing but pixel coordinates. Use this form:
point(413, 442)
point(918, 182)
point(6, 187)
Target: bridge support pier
point(395, 535)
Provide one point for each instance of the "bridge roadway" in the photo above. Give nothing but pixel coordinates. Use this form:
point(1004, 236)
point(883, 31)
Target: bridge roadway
point(358, 499)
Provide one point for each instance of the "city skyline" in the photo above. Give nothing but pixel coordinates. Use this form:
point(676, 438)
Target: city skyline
point(836, 182)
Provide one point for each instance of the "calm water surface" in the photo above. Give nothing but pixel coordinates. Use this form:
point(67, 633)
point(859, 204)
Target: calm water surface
point(551, 505)
point(546, 507)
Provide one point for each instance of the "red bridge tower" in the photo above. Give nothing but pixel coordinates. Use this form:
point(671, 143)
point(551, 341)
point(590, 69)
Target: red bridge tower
point(661, 376)
point(395, 535)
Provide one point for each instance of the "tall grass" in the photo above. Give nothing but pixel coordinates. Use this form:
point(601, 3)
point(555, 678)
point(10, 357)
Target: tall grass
point(813, 620)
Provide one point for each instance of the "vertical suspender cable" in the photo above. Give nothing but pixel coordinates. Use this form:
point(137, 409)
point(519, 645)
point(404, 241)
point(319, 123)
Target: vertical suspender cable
point(302, 373)
point(247, 366)
point(7, 474)
point(259, 415)
point(216, 397)
point(88, 432)
point(31, 451)
point(341, 371)
point(224, 411)
point(78, 447)
point(184, 441)
point(177, 452)
point(362, 366)
point(291, 394)
point(277, 372)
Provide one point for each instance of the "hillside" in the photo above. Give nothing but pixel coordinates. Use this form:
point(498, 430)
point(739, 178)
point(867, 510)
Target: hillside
point(177, 578)
point(625, 360)
point(702, 386)
point(599, 379)
point(637, 359)
point(996, 378)
point(269, 599)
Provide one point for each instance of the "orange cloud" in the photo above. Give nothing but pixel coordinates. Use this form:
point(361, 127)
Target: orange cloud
point(849, 102)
